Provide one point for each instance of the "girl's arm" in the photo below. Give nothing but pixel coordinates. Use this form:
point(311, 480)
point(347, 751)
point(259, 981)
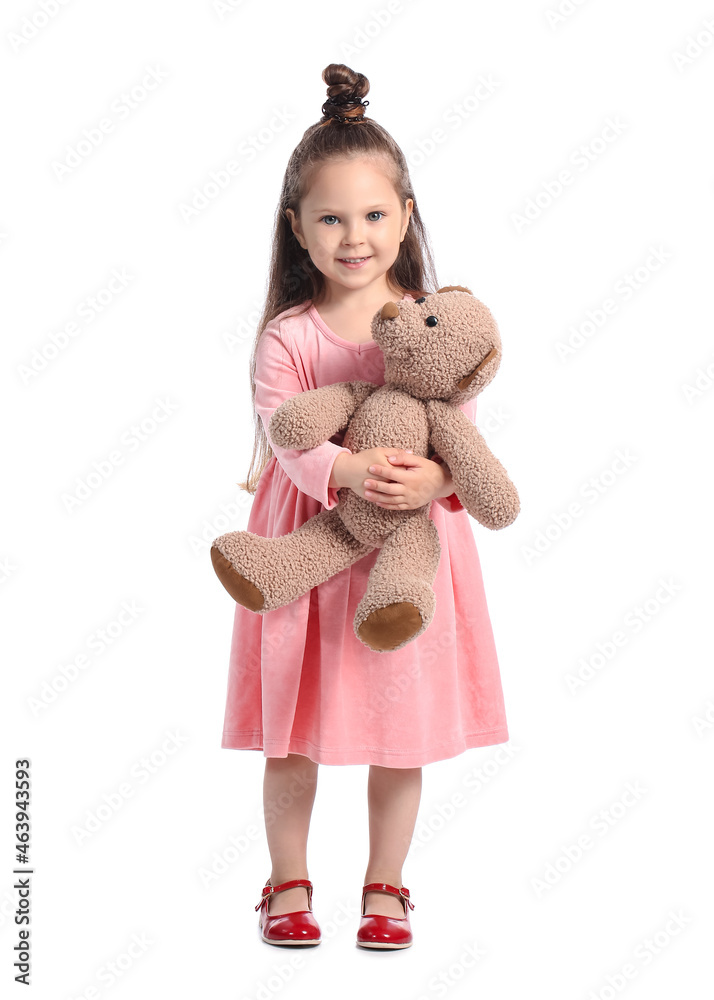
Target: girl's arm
point(277, 379)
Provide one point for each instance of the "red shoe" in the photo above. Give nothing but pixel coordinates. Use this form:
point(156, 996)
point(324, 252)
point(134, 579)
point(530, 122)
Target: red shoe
point(297, 927)
point(378, 931)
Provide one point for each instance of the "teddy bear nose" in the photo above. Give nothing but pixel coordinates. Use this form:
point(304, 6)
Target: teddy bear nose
point(389, 310)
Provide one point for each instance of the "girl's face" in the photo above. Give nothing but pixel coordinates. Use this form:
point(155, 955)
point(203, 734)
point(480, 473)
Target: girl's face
point(352, 211)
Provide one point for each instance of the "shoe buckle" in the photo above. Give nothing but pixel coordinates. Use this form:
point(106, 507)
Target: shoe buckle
point(405, 893)
point(267, 891)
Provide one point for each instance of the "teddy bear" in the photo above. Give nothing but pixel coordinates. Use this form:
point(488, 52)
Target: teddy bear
point(439, 351)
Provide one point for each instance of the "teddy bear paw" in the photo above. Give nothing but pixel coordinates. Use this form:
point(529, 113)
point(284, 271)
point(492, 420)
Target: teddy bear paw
point(390, 627)
point(241, 590)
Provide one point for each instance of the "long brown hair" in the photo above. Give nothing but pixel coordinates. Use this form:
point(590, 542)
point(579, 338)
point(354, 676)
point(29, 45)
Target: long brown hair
point(343, 131)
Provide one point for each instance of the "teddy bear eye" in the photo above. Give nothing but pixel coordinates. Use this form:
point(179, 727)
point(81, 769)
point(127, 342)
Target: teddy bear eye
point(418, 302)
point(431, 320)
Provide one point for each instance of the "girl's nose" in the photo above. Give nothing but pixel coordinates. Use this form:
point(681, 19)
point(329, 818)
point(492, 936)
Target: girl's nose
point(354, 236)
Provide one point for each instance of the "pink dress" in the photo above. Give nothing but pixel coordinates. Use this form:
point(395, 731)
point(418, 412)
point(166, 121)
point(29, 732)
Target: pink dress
point(299, 680)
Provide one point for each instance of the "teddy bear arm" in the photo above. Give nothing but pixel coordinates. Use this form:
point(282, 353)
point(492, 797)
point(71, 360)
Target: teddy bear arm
point(480, 481)
point(309, 418)
point(360, 392)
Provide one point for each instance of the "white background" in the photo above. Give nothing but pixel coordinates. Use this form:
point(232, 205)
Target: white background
point(181, 330)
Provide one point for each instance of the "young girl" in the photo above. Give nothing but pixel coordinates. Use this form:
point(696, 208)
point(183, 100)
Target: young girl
point(302, 688)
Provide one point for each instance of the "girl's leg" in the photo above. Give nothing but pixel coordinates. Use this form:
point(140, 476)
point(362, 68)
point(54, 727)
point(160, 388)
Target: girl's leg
point(288, 795)
point(393, 795)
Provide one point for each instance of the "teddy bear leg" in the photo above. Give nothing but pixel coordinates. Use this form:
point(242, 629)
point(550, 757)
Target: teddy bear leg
point(266, 573)
point(399, 602)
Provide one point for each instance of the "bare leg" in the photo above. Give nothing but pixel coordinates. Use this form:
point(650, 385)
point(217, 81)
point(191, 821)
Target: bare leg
point(393, 795)
point(289, 789)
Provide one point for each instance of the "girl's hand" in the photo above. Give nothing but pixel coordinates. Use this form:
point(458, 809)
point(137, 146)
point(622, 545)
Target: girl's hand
point(351, 469)
point(412, 482)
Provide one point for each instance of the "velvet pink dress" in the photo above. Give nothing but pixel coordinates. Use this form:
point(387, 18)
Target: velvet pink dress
point(299, 680)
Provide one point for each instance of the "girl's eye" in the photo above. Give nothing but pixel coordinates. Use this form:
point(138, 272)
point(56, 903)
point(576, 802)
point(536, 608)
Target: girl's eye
point(335, 217)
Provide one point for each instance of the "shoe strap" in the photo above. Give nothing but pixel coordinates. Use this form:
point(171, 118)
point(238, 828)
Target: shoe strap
point(270, 890)
point(384, 887)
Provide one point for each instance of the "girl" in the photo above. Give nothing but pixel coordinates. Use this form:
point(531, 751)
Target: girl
point(301, 687)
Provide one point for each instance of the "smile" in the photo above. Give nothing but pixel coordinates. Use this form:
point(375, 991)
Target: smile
point(353, 261)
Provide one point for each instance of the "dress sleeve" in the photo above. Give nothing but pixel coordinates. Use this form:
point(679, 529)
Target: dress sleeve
point(276, 379)
point(452, 502)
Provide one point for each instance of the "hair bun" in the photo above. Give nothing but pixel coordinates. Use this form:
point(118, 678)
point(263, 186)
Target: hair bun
point(345, 93)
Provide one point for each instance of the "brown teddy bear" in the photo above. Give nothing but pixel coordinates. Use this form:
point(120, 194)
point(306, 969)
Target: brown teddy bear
point(439, 351)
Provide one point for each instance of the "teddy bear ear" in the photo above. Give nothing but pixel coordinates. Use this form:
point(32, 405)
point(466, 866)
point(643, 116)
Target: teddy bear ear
point(390, 310)
point(454, 288)
point(468, 379)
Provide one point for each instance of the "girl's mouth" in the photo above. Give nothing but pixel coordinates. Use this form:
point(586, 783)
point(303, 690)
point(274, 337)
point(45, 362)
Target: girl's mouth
point(353, 262)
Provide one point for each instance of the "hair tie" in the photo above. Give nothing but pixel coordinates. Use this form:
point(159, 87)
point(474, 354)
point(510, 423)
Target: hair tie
point(340, 100)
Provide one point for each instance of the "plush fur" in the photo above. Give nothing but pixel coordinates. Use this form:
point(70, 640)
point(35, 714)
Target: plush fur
point(439, 352)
